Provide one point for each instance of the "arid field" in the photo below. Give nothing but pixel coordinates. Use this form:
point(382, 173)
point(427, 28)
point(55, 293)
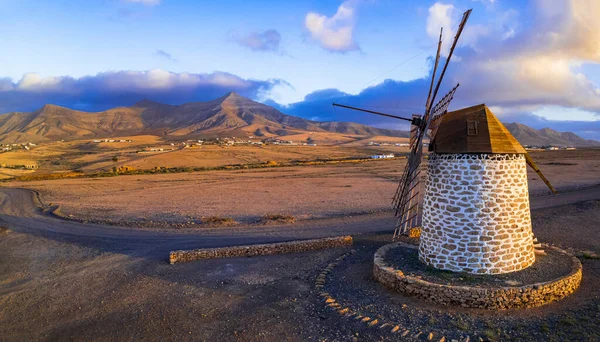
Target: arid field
point(304, 192)
point(92, 265)
point(147, 152)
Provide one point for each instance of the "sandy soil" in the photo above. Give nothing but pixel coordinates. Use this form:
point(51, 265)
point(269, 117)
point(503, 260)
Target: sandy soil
point(303, 192)
point(80, 286)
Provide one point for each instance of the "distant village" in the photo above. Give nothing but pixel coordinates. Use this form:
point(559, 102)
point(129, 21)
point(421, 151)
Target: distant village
point(97, 141)
point(372, 143)
point(234, 141)
point(548, 148)
point(225, 142)
point(11, 147)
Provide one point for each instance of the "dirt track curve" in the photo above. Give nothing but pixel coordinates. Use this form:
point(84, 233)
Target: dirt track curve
point(20, 212)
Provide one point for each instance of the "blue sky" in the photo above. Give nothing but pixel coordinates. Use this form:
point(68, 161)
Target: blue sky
point(534, 62)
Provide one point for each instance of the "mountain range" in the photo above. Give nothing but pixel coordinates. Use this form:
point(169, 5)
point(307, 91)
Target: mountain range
point(229, 115)
point(546, 136)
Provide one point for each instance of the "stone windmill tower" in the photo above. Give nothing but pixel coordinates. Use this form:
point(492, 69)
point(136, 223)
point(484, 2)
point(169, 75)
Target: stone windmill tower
point(475, 215)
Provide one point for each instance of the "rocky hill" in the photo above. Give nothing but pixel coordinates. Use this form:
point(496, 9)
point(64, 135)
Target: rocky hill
point(230, 115)
point(546, 136)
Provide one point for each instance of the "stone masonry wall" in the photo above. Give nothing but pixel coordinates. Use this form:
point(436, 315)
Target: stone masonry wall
point(496, 298)
point(476, 214)
point(261, 249)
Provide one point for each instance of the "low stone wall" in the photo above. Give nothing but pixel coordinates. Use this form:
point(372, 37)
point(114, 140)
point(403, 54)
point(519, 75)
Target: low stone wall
point(262, 249)
point(499, 298)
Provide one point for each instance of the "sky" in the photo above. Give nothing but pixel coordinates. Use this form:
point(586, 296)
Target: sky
point(535, 62)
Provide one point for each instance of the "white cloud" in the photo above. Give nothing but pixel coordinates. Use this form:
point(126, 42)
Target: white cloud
point(335, 34)
point(440, 15)
point(33, 81)
point(144, 2)
point(508, 34)
point(509, 67)
point(260, 41)
point(117, 88)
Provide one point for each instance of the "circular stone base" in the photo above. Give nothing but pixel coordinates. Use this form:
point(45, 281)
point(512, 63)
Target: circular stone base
point(551, 278)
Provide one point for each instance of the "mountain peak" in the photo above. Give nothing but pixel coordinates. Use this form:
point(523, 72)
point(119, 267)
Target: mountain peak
point(233, 96)
point(50, 108)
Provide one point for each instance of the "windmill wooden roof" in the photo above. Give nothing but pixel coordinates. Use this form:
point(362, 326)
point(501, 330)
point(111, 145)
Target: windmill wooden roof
point(474, 130)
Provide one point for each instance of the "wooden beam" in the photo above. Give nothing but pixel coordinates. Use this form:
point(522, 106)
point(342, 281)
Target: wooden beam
point(537, 170)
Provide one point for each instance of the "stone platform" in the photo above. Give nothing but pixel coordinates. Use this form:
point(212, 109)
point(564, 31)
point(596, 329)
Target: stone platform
point(551, 278)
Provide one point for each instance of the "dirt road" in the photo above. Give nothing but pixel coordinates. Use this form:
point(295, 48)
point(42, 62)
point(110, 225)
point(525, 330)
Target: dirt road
point(19, 211)
point(63, 280)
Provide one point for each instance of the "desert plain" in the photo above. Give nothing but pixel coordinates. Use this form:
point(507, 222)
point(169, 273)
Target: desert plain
point(87, 258)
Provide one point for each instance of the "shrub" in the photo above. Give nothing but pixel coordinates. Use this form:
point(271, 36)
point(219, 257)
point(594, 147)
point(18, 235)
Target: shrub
point(218, 220)
point(277, 218)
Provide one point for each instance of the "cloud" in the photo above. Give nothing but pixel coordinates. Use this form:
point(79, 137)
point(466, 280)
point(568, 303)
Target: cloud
point(440, 16)
point(517, 70)
point(407, 98)
point(123, 88)
point(144, 2)
point(535, 66)
point(260, 41)
point(393, 97)
point(335, 34)
point(166, 55)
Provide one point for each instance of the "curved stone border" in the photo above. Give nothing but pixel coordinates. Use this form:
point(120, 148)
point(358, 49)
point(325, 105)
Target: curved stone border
point(526, 296)
point(262, 249)
point(376, 323)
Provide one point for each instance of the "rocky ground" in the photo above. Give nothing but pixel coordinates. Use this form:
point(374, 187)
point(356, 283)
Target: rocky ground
point(77, 286)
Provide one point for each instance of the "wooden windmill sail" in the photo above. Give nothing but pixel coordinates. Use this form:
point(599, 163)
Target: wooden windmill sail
point(406, 199)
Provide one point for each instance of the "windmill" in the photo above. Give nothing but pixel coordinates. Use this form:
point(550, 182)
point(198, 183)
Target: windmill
point(407, 198)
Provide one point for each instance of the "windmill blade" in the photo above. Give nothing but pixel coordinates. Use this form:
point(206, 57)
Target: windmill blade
point(407, 198)
point(456, 37)
point(437, 60)
point(413, 131)
point(370, 111)
point(408, 195)
point(433, 127)
point(438, 111)
point(412, 144)
point(537, 170)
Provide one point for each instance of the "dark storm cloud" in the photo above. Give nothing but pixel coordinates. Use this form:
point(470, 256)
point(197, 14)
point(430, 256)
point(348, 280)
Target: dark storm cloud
point(123, 88)
point(407, 98)
point(392, 97)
